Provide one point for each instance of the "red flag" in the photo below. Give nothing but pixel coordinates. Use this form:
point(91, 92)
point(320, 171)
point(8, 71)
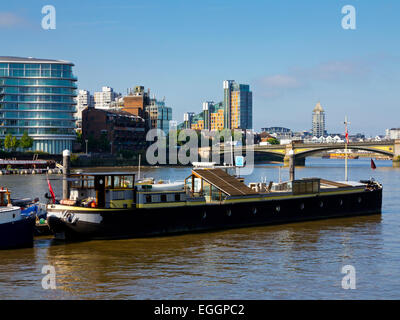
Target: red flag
point(373, 166)
point(51, 191)
point(347, 136)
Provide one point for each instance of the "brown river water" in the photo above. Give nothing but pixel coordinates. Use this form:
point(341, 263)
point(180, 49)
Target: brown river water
point(292, 261)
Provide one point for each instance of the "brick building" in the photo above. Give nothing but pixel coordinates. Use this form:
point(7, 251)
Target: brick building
point(136, 102)
point(113, 129)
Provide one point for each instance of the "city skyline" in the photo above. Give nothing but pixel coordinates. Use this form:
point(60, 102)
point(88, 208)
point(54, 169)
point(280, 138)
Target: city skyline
point(291, 54)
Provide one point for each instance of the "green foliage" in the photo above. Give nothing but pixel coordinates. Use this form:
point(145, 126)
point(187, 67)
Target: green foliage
point(8, 141)
point(11, 143)
point(26, 142)
point(273, 141)
point(14, 143)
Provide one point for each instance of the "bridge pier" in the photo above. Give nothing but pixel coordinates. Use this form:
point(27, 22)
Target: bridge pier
point(300, 162)
point(396, 154)
point(297, 161)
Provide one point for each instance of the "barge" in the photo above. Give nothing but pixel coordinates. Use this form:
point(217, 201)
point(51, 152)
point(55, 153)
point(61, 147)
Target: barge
point(114, 205)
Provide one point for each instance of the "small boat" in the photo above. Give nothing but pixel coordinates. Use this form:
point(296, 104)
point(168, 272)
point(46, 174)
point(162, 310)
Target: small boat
point(16, 230)
point(38, 210)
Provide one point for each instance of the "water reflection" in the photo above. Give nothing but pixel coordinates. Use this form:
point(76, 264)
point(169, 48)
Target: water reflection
point(301, 260)
point(107, 269)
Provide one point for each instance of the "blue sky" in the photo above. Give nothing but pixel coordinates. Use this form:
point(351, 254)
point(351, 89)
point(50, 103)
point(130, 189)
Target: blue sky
point(292, 53)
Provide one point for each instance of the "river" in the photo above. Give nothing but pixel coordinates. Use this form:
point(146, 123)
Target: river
point(293, 261)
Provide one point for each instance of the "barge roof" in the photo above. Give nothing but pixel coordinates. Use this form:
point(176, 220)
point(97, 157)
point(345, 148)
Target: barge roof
point(225, 182)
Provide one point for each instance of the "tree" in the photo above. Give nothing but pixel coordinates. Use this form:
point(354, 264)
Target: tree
point(8, 141)
point(273, 141)
point(26, 142)
point(14, 143)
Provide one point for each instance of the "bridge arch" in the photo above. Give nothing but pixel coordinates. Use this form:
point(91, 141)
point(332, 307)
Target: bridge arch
point(308, 153)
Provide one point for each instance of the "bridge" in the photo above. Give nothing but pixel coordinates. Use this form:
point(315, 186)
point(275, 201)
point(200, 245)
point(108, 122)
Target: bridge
point(389, 148)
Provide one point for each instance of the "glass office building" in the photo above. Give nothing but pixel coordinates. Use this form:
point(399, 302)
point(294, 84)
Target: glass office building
point(238, 105)
point(37, 97)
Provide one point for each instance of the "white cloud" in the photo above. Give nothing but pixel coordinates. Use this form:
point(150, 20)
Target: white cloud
point(274, 86)
point(9, 19)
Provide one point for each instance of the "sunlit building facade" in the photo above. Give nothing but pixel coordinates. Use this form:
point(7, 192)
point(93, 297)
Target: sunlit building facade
point(318, 121)
point(37, 97)
point(238, 105)
point(234, 112)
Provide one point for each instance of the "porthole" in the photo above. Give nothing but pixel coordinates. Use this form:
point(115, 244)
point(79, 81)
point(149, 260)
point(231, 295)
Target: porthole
point(229, 213)
point(321, 204)
point(302, 206)
point(204, 215)
point(254, 210)
point(359, 199)
point(341, 202)
point(278, 208)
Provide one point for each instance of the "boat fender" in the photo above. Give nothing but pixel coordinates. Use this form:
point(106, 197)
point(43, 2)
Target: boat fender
point(71, 218)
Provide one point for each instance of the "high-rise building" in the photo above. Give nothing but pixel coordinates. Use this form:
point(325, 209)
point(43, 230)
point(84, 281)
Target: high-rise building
point(235, 112)
point(158, 115)
point(318, 121)
point(187, 120)
point(238, 105)
point(393, 133)
point(104, 98)
point(37, 97)
point(83, 100)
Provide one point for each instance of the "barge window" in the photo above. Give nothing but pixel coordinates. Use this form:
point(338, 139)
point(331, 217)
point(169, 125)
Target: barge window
point(123, 182)
point(148, 199)
point(88, 182)
point(177, 197)
point(109, 182)
point(163, 198)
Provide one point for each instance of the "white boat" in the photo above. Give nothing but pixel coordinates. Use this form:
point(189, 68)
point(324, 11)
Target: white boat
point(16, 231)
point(160, 185)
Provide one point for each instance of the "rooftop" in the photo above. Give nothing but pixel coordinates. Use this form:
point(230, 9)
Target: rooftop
point(224, 182)
point(318, 108)
point(5, 59)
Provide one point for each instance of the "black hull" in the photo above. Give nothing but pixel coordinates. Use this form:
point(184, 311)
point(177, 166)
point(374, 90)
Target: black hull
point(18, 234)
point(165, 221)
